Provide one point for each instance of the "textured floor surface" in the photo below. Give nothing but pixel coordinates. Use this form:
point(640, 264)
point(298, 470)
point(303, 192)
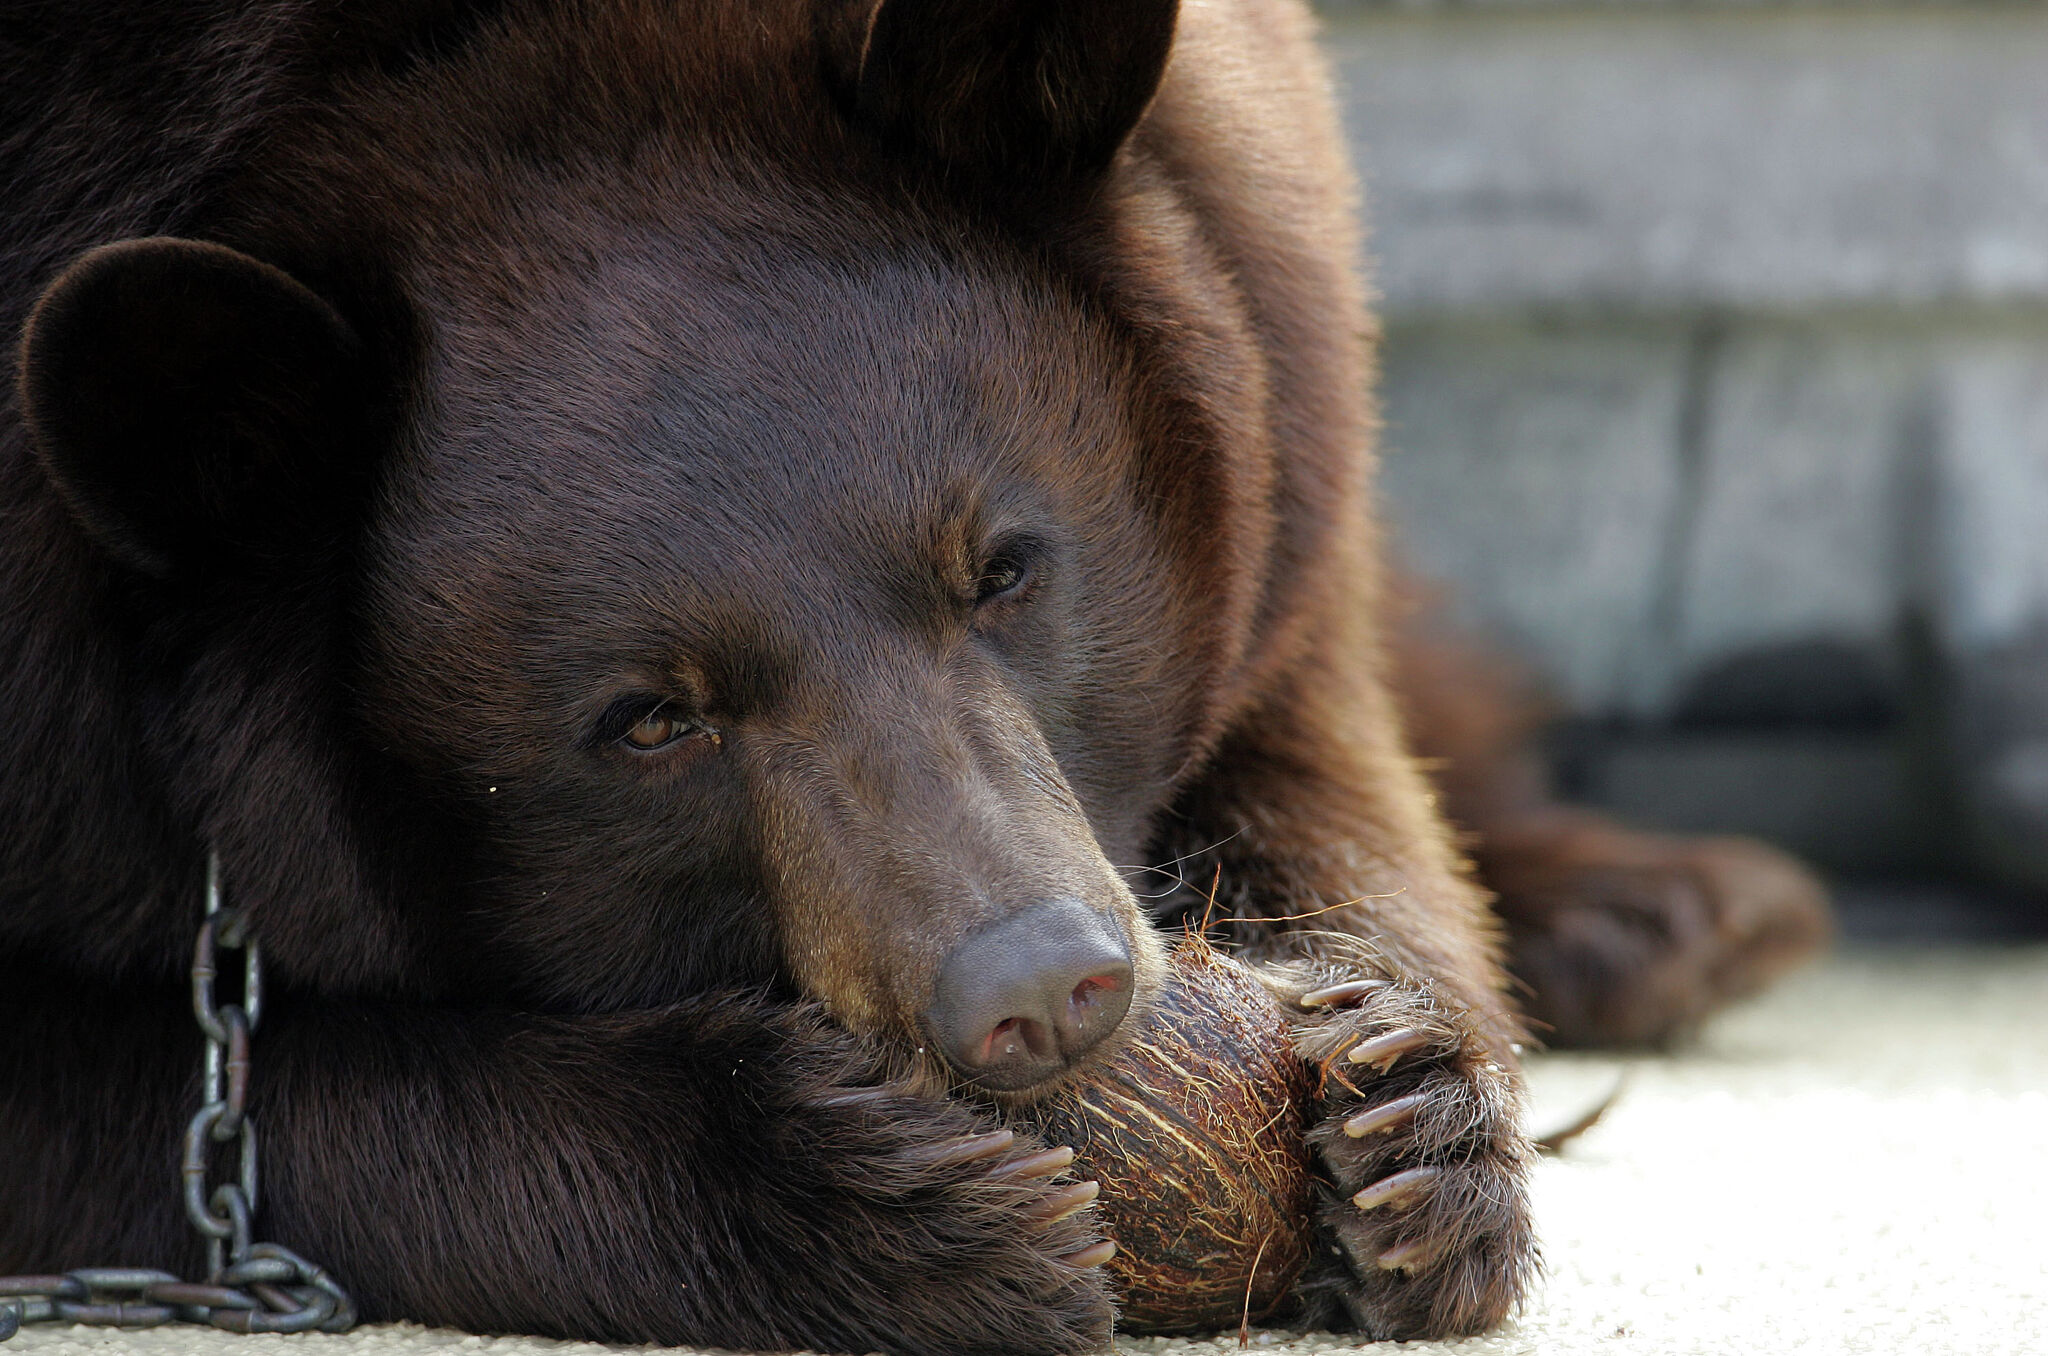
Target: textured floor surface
point(1857, 1163)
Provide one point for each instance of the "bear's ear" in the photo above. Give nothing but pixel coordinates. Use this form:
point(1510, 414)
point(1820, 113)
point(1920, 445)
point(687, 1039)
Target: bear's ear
point(1024, 90)
point(191, 403)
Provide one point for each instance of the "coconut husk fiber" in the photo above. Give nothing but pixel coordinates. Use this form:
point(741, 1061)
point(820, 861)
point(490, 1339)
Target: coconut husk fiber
point(1197, 1131)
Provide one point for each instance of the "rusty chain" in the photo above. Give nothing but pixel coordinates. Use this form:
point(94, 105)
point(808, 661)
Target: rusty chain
point(250, 1287)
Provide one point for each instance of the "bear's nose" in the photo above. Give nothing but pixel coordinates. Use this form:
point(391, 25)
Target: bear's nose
point(1021, 999)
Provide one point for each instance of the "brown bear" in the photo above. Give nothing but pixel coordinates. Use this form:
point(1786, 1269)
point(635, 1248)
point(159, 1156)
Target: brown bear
point(712, 575)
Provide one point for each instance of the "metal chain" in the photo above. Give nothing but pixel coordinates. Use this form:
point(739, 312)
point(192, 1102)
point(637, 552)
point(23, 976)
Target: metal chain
point(250, 1287)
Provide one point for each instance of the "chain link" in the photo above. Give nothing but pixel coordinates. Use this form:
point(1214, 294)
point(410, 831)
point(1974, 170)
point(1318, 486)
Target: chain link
point(250, 1286)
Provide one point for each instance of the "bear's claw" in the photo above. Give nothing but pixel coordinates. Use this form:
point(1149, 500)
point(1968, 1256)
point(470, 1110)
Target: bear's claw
point(1397, 1187)
point(1424, 1155)
point(1064, 1202)
point(1386, 1116)
point(1406, 1256)
point(1341, 995)
point(1382, 1051)
point(1044, 1163)
point(966, 1149)
point(1093, 1256)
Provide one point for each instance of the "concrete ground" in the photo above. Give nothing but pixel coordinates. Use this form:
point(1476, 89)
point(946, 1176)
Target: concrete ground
point(1856, 1163)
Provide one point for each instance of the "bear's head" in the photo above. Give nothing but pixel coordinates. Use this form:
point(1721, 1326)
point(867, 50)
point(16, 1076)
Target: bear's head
point(756, 552)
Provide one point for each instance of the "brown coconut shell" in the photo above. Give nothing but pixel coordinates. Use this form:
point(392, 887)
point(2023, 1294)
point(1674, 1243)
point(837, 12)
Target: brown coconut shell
point(1197, 1130)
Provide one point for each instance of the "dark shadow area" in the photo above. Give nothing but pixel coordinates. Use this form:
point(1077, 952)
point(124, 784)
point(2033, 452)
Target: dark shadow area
point(1895, 912)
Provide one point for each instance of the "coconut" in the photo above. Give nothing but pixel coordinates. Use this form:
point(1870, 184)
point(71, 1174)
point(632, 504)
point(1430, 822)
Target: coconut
point(1197, 1131)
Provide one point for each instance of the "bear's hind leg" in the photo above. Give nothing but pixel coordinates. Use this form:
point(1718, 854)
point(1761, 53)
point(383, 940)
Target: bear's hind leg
point(1617, 937)
point(1623, 938)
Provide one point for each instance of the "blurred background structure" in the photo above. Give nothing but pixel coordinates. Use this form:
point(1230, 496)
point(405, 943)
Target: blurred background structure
point(1716, 384)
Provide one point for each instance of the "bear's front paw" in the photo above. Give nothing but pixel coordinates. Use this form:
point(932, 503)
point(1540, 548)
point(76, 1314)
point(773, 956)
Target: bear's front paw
point(1426, 1230)
point(970, 1238)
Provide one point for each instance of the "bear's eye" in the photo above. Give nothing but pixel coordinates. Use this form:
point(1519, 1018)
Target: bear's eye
point(1006, 573)
point(661, 727)
point(998, 577)
point(655, 729)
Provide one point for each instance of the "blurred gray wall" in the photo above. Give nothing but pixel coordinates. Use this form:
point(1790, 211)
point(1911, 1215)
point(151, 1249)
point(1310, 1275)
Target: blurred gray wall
point(1717, 387)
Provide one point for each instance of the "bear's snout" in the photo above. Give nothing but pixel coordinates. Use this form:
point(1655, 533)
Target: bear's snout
point(1020, 1000)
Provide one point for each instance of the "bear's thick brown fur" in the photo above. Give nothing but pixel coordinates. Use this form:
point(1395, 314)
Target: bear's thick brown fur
point(637, 532)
